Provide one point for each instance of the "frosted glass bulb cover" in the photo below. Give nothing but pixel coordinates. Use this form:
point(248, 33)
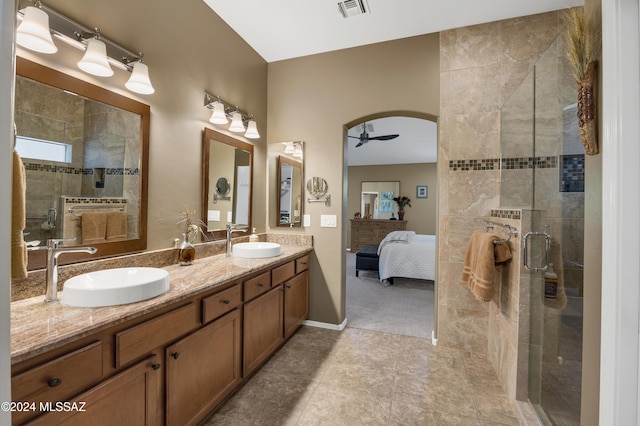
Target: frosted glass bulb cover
point(33, 32)
point(139, 81)
point(236, 123)
point(95, 60)
point(289, 148)
point(218, 115)
point(252, 130)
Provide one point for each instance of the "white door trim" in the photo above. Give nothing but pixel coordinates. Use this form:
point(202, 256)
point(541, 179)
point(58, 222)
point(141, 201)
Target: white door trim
point(620, 213)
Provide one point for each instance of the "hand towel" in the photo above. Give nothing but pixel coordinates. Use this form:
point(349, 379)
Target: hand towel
point(116, 226)
point(94, 227)
point(19, 257)
point(480, 262)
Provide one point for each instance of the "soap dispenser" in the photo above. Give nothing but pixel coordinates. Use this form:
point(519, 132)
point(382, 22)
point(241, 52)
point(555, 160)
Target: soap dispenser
point(253, 237)
point(550, 283)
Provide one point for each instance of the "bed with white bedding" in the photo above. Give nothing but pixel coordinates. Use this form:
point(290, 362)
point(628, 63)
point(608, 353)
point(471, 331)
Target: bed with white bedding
point(408, 255)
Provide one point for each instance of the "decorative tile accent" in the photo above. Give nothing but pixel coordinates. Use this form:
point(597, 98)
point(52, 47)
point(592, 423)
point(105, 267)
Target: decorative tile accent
point(518, 163)
point(506, 214)
point(90, 200)
point(36, 167)
point(572, 173)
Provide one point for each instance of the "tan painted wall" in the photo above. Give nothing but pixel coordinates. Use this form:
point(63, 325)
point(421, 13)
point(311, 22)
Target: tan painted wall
point(188, 49)
point(312, 99)
point(421, 216)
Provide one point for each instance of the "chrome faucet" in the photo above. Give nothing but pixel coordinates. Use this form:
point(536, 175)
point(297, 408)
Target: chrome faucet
point(231, 228)
point(54, 249)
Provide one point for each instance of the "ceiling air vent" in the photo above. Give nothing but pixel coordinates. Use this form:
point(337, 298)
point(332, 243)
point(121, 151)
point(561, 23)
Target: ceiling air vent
point(349, 8)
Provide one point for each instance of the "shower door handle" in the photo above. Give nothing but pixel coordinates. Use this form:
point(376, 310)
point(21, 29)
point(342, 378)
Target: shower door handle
point(525, 251)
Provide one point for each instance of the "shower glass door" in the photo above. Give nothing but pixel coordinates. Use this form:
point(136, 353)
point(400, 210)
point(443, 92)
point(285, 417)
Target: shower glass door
point(543, 174)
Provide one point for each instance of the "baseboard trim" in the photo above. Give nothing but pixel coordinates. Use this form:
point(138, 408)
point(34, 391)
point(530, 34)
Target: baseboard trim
point(318, 324)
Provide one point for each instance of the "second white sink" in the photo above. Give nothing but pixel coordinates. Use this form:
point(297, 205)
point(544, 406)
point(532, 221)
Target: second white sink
point(116, 286)
point(255, 250)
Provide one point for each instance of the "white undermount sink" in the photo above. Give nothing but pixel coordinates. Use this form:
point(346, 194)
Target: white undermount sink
point(255, 250)
point(116, 286)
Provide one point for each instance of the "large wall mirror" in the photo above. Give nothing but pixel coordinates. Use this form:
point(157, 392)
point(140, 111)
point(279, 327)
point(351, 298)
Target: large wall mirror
point(290, 200)
point(85, 151)
point(227, 176)
point(376, 199)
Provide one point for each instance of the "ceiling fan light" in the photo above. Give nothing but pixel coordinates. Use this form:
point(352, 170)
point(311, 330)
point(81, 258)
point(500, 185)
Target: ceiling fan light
point(95, 60)
point(139, 81)
point(236, 123)
point(218, 116)
point(252, 130)
point(33, 32)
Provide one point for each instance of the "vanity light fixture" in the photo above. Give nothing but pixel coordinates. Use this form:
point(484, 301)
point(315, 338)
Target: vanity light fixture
point(40, 22)
point(33, 32)
point(293, 148)
point(288, 147)
point(95, 60)
point(223, 111)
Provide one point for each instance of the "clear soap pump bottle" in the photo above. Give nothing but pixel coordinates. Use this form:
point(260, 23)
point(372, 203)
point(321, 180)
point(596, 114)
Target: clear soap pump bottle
point(550, 283)
point(253, 237)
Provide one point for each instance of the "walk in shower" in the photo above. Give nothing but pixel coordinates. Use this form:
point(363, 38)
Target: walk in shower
point(542, 174)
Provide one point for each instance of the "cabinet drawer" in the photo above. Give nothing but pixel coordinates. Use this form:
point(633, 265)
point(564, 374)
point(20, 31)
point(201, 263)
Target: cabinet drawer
point(141, 339)
point(256, 286)
point(60, 378)
point(220, 303)
point(302, 263)
point(282, 273)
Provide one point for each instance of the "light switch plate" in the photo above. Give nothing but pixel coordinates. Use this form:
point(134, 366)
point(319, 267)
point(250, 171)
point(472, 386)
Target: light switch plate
point(306, 220)
point(328, 221)
point(229, 217)
point(213, 215)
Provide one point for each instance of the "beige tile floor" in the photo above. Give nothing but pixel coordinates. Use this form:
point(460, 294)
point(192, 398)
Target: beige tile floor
point(363, 377)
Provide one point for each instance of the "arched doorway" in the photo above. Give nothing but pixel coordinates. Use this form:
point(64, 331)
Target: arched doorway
point(410, 159)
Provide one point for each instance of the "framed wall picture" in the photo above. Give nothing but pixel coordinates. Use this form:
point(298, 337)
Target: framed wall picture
point(422, 191)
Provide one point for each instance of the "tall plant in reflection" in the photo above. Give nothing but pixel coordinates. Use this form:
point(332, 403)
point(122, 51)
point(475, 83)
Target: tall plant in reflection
point(186, 250)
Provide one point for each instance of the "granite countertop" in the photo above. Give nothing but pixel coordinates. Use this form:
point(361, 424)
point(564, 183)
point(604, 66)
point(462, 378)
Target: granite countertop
point(37, 327)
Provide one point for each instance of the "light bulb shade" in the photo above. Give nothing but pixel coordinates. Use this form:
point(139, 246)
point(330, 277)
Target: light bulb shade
point(95, 60)
point(33, 32)
point(289, 148)
point(218, 116)
point(252, 130)
point(236, 123)
point(139, 81)
point(297, 151)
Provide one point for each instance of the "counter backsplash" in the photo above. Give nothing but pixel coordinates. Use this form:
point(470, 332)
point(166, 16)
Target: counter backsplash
point(34, 284)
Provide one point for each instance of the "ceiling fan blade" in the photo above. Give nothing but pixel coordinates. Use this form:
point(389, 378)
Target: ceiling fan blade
point(356, 137)
point(383, 138)
point(361, 143)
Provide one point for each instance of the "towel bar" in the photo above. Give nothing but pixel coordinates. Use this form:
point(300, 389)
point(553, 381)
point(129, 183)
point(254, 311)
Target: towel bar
point(511, 231)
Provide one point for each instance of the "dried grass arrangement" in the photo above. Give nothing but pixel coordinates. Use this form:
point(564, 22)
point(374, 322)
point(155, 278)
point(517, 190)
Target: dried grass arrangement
point(583, 50)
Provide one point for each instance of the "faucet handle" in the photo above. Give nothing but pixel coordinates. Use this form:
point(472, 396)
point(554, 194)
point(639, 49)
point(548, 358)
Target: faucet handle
point(57, 242)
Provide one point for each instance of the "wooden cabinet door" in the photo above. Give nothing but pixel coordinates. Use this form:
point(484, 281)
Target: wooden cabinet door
point(296, 302)
point(202, 369)
point(263, 319)
point(131, 397)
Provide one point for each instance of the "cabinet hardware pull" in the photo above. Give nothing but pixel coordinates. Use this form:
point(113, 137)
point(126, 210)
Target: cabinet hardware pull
point(260, 285)
point(54, 382)
point(288, 286)
point(175, 355)
point(303, 263)
point(226, 301)
point(155, 366)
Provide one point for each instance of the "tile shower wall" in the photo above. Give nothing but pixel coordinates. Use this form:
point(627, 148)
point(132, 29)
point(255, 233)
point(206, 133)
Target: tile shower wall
point(480, 67)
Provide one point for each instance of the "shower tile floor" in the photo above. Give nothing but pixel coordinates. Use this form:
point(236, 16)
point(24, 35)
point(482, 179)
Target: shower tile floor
point(364, 377)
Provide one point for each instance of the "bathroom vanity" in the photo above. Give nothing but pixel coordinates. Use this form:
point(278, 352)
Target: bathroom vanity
point(168, 360)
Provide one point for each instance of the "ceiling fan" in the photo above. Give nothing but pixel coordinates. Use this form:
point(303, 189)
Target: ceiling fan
point(364, 136)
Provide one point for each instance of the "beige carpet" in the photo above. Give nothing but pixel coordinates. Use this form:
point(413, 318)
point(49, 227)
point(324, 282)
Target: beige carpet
point(406, 307)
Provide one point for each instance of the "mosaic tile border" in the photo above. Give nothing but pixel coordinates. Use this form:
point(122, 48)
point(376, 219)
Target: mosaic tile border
point(92, 200)
point(35, 167)
point(506, 214)
point(515, 163)
point(572, 173)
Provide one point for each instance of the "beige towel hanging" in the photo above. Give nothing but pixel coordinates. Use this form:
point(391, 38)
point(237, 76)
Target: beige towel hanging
point(480, 263)
point(19, 257)
point(116, 226)
point(94, 227)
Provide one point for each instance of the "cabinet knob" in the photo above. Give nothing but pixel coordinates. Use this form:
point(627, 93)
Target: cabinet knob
point(288, 286)
point(226, 301)
point(260, 285)
point(303, 263)
point(175, 355)
point(155, 366)
point(54, 382)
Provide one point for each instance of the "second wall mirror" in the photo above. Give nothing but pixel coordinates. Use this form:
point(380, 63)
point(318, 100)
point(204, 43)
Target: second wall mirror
point(290, 201)
point(227, 181)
